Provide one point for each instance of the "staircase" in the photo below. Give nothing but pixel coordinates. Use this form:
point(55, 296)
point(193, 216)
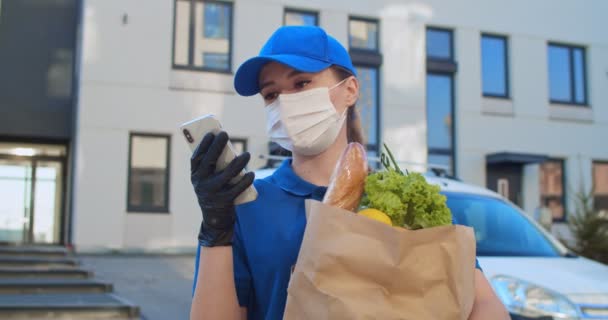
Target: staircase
point(44, 282)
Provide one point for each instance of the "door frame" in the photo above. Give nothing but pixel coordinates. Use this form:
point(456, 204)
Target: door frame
point(62, 209)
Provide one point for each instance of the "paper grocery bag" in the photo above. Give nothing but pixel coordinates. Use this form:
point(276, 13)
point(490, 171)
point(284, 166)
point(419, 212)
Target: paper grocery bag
point(352, 267)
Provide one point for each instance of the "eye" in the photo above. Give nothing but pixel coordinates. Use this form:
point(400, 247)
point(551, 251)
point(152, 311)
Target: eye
point(270, 96)
point(301, 84)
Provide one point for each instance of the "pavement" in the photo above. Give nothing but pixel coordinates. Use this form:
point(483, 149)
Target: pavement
point(160, 284)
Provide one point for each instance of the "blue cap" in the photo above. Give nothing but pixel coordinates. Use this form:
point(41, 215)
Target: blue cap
point(304, 48)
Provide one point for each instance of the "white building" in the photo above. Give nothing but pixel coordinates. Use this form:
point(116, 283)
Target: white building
point(510, 95)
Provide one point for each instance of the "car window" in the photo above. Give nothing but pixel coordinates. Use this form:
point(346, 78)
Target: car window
point(500, 229)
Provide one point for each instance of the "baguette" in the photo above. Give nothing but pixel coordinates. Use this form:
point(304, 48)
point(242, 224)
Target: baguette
point(348, 179)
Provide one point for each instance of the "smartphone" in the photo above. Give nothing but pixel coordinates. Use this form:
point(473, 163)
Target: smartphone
point(196, 129)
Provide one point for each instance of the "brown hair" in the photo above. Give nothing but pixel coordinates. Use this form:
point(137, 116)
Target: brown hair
point(354, 130)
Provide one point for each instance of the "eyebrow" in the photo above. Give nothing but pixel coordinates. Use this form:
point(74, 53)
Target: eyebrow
point(290, 75)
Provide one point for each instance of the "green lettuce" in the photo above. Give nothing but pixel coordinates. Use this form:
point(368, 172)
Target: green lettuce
point(406, 198)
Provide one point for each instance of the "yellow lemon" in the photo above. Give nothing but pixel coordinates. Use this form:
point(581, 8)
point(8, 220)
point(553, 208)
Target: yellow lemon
point(376, 215)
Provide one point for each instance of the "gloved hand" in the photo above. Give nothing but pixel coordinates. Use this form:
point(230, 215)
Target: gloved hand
point(214, 190)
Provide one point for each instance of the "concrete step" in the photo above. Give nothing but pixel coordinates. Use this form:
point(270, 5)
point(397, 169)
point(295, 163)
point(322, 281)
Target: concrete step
point(44, 273)
point(28, 261)
point(33, 285)
point(33, 251)
point(67, 306)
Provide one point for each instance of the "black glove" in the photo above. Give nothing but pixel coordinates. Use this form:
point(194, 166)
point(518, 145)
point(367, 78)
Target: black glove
point(214, 190)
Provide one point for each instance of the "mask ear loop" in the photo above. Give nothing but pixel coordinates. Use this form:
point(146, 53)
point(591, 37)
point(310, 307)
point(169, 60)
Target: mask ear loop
point(338, 84)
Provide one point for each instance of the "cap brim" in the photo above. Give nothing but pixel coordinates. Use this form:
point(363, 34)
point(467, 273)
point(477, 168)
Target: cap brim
point(246, 79)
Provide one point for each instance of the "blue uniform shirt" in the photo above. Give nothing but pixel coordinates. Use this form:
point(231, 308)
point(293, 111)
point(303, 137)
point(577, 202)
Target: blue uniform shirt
point(267, 238)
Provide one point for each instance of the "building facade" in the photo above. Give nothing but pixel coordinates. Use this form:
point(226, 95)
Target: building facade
point(504, 95)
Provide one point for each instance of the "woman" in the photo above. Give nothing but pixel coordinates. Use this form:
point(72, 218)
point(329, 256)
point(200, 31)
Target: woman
point(246, 254)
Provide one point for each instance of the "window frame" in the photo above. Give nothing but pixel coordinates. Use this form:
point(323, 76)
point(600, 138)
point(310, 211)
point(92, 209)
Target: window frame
point(443, 151)
point(593, 181)
point(505, 40)
point(441, 29)
point(372, 59)
point(287, 10)
point(367, 20)
point(440, 66)
point(149, 209)
point(191, 27)
point(242, 141)
point(564, 199)
point(571, 48)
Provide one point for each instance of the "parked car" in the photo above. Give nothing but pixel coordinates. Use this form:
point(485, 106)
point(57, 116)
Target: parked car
point(532, 273)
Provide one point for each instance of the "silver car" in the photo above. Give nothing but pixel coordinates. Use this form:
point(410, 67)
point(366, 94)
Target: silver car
point(533, 274)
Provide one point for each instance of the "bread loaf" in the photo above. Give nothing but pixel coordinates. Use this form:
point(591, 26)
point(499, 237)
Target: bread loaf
point(348, 179)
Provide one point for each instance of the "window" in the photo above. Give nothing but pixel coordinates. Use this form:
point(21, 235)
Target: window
point(567, 74)
point(441, 68)
point(364, 49)
point(363, 34)
point(148, 186)
point(600, 187)
point(500, 229)
point(239, 145)
point(439, 44)
point(439, 104)
point(293, 17)
point(552, 188)
point(202, 38)
point(494, 66)
point(368, 105)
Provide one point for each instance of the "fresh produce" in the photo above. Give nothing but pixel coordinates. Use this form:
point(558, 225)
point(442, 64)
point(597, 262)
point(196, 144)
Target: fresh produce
point(347, 180)
point(377, 215)
point(406, 198)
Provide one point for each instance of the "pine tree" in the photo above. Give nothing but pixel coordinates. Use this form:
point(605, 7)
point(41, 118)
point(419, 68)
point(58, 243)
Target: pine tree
point(589, 229)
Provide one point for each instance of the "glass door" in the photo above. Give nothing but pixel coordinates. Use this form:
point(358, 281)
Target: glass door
point(16, 204)
point(32, 192)
point(47, 185)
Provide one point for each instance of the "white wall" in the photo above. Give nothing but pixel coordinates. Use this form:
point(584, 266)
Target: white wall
point(127, 84)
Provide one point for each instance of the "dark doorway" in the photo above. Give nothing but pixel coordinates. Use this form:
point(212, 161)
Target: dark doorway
point(505, 179)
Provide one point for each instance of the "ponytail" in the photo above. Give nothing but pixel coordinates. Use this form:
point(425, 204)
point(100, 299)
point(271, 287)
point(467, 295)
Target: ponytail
point(354, 129)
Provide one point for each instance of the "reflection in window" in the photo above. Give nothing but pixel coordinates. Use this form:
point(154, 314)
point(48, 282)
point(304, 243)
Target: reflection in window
point(363, 34)
point(439, 44)
point(148, 173)
point(204, 43)
point(300, 18)
point(368, 104)
point(567, 83)
point(552, 187)
point(439, 119)
point(600, 187)
point(439, 111)
point(494, 66)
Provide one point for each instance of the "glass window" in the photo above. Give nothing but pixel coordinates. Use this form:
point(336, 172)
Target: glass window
point(567, 83)
point(293, 17)
point(439, 111)
point(363, 34)
point(500, 229)
point(439, 44)
point(205, 42)
point(600, 187)
point(494, 66)
point(552, 188)
point(149, 173)
point(368, 104)
point(439, 120)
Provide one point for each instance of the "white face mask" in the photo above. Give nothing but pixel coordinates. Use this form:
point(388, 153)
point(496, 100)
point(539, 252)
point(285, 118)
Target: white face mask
point(305, 122)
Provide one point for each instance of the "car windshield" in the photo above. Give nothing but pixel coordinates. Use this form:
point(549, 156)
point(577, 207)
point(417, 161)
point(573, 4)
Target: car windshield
point(500, 229)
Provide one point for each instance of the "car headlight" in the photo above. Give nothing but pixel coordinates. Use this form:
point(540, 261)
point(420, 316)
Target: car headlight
point(529, 300)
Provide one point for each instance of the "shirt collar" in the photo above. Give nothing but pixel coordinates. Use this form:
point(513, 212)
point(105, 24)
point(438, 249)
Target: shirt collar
point(289, 181)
